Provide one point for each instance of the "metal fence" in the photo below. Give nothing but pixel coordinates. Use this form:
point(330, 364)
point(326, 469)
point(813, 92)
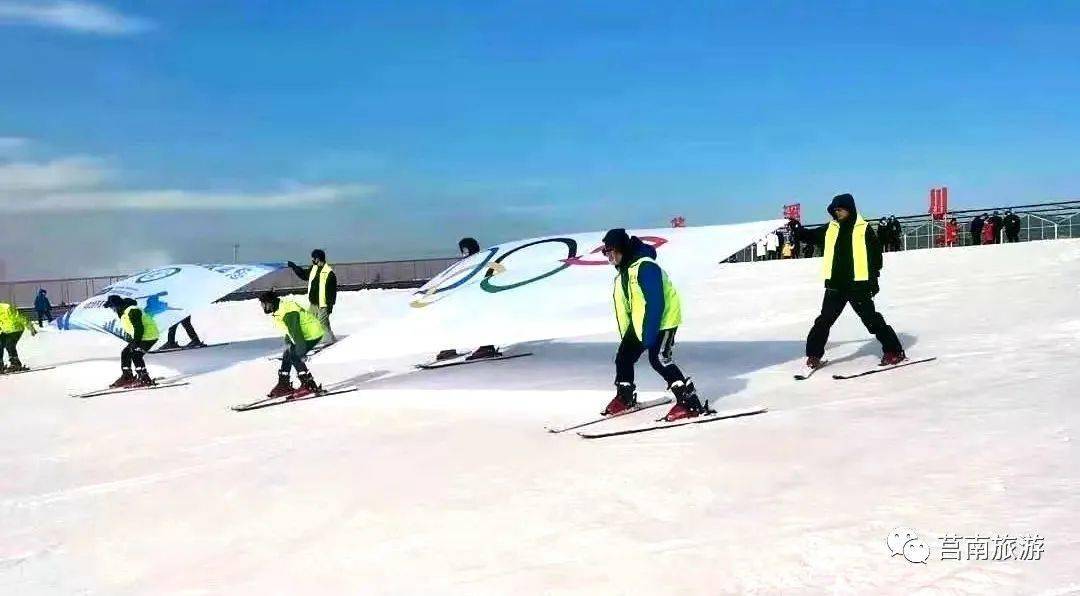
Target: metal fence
point(351, 276)
point(1041, 221)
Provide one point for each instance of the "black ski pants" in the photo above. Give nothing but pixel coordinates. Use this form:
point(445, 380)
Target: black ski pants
point(863, 304)
point(188, 327)
point(631, 349)
point(7, 344)
point(133, 354)
point(293, 357)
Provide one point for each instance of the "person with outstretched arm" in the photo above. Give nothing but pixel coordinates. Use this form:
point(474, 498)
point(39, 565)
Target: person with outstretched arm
point(851, 268)
point(648, 313)
point(12, 324)
point(322, 289)
point(142, 334)
point(302, 332)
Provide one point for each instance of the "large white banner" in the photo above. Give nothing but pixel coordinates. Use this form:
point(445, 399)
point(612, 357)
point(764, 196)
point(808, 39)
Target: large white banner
point(169, 294)
point(540, 288)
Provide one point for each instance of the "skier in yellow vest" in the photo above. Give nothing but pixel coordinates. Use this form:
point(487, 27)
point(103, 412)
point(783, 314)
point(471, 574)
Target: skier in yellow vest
point(851, 267)
point(648, 313)
point(302, 331)
point(12, 324)
point(142, 334)
point(322, 289)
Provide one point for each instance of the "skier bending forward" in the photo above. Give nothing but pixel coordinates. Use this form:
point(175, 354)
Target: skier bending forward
point(648, 313)
point(302, 331)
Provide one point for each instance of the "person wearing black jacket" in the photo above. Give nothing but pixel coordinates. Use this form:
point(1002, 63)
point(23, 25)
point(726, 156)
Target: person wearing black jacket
point(851, 267)
point(883, 231)
point(1012, 226)
point(996, 221)
point(977, 228)
point(896, 234)
point(322, 290)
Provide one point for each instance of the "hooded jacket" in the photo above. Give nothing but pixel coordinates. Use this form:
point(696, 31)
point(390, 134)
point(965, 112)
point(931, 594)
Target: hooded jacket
point(651, 280)
point(843, 265)
point(41, 302)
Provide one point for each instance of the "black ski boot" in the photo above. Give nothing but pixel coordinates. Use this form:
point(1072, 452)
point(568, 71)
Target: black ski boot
point(625, 398)
point(16, 366)
point(446, 355)
point(687, 403)
point(483, 352)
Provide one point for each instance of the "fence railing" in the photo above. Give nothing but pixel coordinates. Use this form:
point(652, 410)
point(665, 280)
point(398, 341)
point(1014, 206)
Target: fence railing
point(351, 276)
point(1041, 221)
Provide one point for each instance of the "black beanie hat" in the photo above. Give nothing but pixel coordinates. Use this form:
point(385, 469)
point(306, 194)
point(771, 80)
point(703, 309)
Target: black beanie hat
point(617, 239)
point(469, 245)
point(113, 301)
point(845, 200)
point(318, 254)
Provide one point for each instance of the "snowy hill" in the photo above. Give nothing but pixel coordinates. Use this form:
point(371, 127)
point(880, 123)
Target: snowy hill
point(445, 481)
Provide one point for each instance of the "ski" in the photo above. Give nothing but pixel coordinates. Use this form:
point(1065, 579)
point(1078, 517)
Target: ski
point(266, 402)
point(809, 372)
point(643, 405)
point(461, 361)
point(700, 420)
point(184, 348)
point(882, 369)
point(102, 392)
point(23, 372)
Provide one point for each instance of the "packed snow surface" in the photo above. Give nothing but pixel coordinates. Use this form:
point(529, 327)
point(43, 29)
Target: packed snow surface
point(445, 481)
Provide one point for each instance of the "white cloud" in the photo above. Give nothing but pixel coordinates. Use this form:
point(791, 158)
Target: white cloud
point(69, 173)
point(82, 184)
point(72, 15)
point(181, 200)
point(12, 145)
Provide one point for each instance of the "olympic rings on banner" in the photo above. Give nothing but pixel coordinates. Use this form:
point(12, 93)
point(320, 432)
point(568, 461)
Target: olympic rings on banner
point(571, 252)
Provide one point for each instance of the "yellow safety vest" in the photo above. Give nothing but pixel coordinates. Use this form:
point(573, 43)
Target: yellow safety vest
point(150, 330)
point(310, 327)
point(858, 249)
point(324, 274)
point(11, 319)
point(630, 310)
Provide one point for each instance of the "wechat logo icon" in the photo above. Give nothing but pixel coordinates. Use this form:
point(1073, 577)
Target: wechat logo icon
point(906, 542)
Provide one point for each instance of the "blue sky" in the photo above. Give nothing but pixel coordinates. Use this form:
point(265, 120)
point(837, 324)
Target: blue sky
point(139, 132)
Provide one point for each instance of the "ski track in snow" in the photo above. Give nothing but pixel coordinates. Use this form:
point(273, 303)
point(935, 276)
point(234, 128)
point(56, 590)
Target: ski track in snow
point(446, 481)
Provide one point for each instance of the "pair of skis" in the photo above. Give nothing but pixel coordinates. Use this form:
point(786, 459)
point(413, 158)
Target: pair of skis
point(188, 347)
point(267, 402)
point(159, 383)
point(873, 371)
point(464, 359)
point(659, 425)
point(23, 372)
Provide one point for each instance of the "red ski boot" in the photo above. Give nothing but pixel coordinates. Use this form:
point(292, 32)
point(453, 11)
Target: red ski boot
point(126, 380)
point(307, 387)
point(625, 398)
point(687, 404)
point(893, 358)
point(283, 388)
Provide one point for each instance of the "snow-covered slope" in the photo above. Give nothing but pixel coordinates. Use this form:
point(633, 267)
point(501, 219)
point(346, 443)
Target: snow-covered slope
point(445, 481)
